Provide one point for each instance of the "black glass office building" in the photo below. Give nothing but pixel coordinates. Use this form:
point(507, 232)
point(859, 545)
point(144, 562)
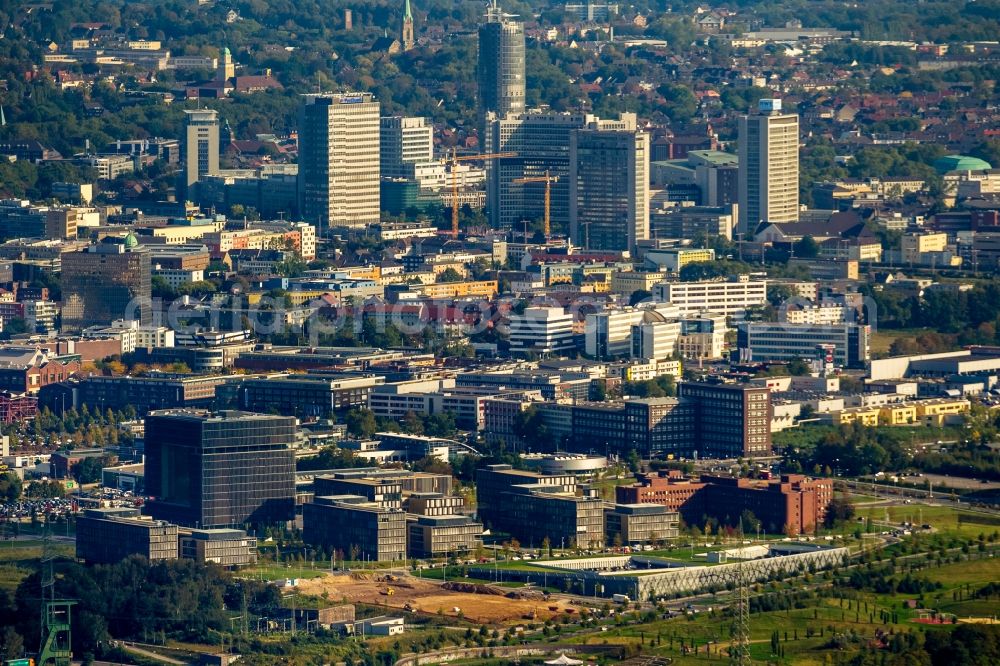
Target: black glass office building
point(224, 469)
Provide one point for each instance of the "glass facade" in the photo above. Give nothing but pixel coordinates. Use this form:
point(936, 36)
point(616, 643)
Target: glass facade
point(225, 470)
point(106, 282)
point(501, 64)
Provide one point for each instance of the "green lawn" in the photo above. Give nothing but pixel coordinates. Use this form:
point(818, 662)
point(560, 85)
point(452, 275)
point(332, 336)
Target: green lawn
point(18, 559)
point(974, 572)
point(944, 519)
point(272, 571)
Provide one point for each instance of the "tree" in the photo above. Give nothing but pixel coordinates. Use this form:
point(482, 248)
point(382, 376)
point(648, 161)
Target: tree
point(45, 489)
point(633, 461)
point(798, 367)
point(88, 470)
point(11, 644)
point(708, 270)
point(331, 458)
point(750, 521)
point(638, 296)
point(449, 275)
point(441, 424)
point(361, 423)
point(412, 423)
point(14, 326)
point(291, 266)
point(161, 288)
point(806, 248)
point(839, 510)
point(530, 427)
point(779, 293)
point(10, 487)
point(432, 465)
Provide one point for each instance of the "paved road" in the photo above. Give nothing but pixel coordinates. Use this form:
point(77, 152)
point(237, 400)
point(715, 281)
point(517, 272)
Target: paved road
point(932, 498)
point(132, 647)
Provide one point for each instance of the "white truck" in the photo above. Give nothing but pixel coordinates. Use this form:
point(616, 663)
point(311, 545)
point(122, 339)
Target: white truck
point(620, 598)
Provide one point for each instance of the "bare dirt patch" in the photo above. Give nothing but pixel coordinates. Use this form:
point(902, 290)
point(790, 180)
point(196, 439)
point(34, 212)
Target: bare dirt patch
point(429, 597)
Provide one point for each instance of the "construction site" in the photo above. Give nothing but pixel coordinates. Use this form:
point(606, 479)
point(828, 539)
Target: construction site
point(476, 602)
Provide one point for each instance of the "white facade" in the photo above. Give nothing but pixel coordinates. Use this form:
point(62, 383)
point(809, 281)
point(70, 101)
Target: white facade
point(730, 298)
point(175, 277)
point(828, 313)
point(609, 334)
point(541, 330)
point(404, 140)
point(41, 315)
point(339, 159)
point(144, 337)
point(769, 167)
point(201, 144)
point(110, 167)
point(436, 176)
point(655, 340)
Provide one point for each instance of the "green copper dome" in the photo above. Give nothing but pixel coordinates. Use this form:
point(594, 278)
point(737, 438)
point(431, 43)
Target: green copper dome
point(131, 241)
point(960, 163)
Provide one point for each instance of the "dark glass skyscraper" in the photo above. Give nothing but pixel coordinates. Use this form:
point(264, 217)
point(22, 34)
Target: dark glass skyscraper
point(106, 281)
point(220, 470)
point(501, 64)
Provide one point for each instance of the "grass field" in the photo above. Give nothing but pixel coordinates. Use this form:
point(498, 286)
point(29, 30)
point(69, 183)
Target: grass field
point(272, 571)
point(18, 559)
point(945, 519)
point(882, 339)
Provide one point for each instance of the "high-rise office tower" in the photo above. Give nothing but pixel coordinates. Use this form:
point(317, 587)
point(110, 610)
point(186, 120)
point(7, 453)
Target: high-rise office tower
point(609, 186)
point(541, 141)
point(220, 470)
point(406, 36)
point(501, 64)
point(201, 144)
point(404, 141)
point(339, 159)
point(769, 166)
point(106, 281)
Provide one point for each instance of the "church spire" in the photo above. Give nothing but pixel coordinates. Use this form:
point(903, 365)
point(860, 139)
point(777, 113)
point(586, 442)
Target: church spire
point(406, 33)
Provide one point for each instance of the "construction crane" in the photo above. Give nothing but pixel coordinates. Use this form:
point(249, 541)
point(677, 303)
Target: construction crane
point(548, 180)
point(454, 160)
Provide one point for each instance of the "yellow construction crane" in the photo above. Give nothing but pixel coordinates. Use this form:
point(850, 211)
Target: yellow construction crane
point(548, 180)
point(454, 160)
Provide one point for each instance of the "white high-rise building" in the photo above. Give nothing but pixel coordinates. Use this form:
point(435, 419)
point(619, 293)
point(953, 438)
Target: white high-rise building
point(769, 166)
point(403, 141)
point(339, 157)
point(201, 144)
point(541, 330)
